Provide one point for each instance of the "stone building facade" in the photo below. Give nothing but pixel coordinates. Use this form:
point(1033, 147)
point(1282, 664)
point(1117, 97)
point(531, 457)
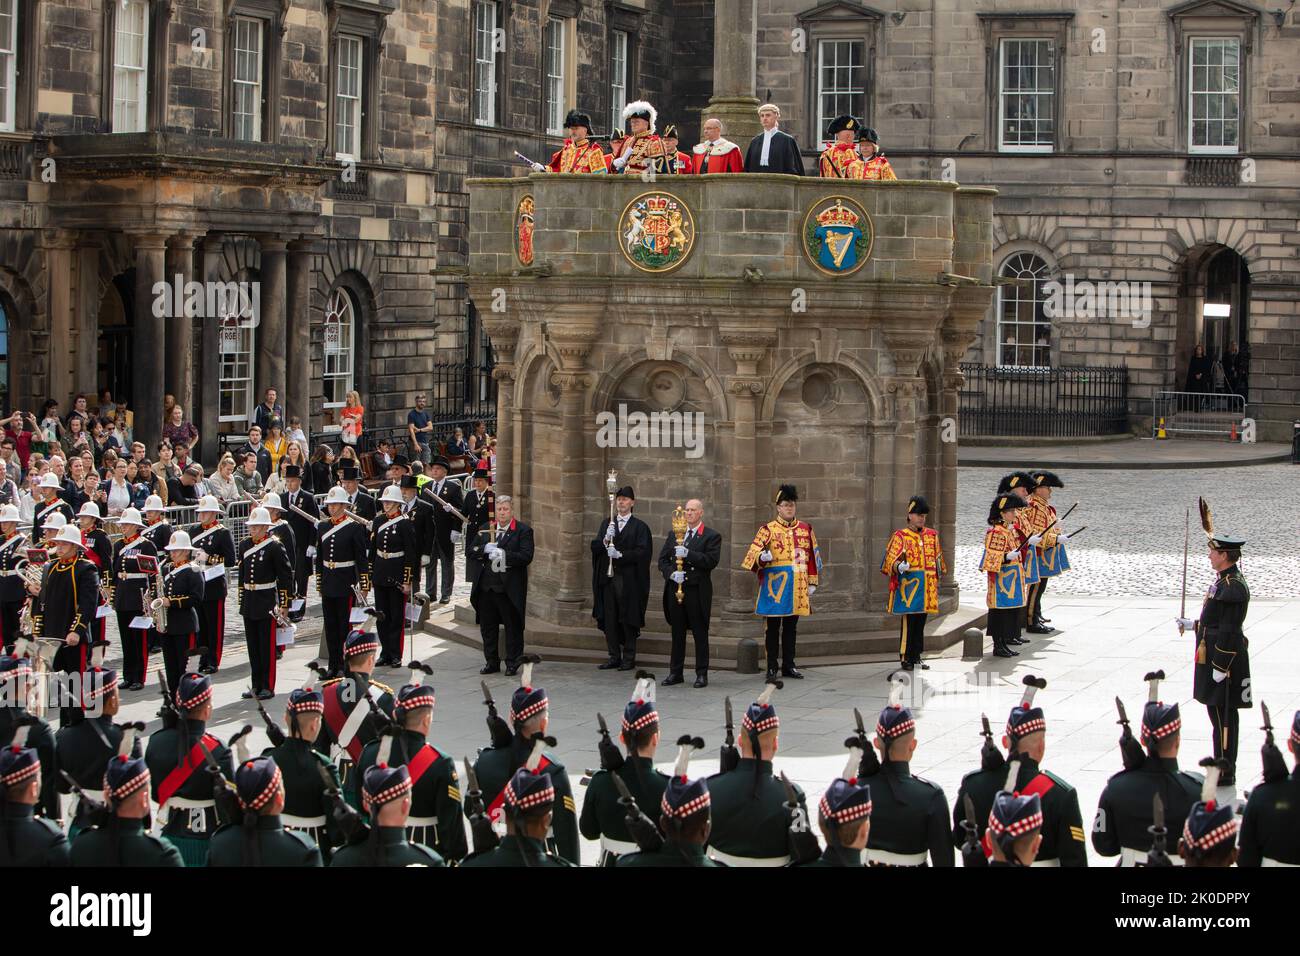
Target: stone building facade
point(1142, 142)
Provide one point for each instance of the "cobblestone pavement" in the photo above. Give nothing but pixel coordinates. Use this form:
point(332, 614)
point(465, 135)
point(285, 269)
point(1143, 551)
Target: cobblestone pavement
point(1134, 542)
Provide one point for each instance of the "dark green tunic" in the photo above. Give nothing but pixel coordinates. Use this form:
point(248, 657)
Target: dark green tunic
point(188, 829)
point(511, 853)
point(435, 795)
point(748, 823)
point(29, 840)
point(1125, 809)
point(494, 768)
point(304, 790)
point(1269, 829)
point(670, 854)
point(839, 856)
point(41, 739)
point(84, 749)
point(602, 815)
point(276, 846)
point(386, 846)
point(135, 847)
point(1062, 831)
point(909, 815)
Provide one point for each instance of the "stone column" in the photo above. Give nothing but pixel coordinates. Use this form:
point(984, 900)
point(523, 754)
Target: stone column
point(207, 369)
point(64, 344)
point(149, 340)
point(574, 344)
point(734, 50)
point(86, 302)
point(271, 345)
point(504, 334)
point(297, 385)
point(179, 376)
point(952, 380)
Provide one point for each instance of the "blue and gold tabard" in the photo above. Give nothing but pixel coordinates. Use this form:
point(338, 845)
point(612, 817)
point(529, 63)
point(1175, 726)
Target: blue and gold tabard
point(796, 564)
point(915, 591)
point(1006, 588)
point(1028, 554)
point(1051, 559)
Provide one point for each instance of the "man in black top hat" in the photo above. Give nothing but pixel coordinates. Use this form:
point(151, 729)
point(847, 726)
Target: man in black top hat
point(446, 528)
point(28, 840)
point(359, 500)
point(386, 796)
point(304, 533)
point(479, 511)
point(260, 839)
point(528, 803)
point(1221, 679)
point(1269, 835)
point(15, 685)
point(1125, 812)
point(1210, 833)
point(684, 818)
point(122, 838)
point(699, 552)
point(420, 512)
point(578, 154)
point(620, 597)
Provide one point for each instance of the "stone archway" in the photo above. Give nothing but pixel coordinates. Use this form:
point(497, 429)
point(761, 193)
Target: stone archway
point(1213, 310)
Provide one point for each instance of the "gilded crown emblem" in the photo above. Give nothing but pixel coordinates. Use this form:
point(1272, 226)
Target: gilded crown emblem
point(526, 206)
point(657, 204)
point(837, 215)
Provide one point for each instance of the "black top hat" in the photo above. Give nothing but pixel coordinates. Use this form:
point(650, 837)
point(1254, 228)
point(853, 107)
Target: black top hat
point(842, 123)
point(193, 690)
point(625, 492)
point(917, 505)
point(384, 784)
point(349, 473)
point(574, 118)
point(483, 470)
point(292, 471)
point(408, 481)
point(845, 801)
point(401, 461)
point(360, 642)
point(256, 781)
point(438, 460)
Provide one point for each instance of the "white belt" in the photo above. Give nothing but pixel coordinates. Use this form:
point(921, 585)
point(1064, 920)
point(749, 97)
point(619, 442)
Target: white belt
point(391, 554)
point(1267, 862)
point(895, 859)
point(185, 803)
point(338, 564)
point(1131, 857)
point(1052, 862)
point(617, 847)
point(730, 860)
point(133, 575)
point(260, 587)
point(9, 574)
point(290, 822)
point(413, 823)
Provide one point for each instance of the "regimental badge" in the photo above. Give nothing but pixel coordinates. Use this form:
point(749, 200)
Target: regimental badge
point(837, 235)
point(656, 232)
point(524, 231)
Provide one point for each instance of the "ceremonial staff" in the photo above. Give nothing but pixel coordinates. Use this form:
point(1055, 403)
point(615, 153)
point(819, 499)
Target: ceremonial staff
point(611, 485)
point(1187, 530)
point(679, 529)
point(434, 495)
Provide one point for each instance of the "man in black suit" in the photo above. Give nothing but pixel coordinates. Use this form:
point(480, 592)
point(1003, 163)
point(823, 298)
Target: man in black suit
point(500, 592)
point(700, 551)
point(620, 598)
point(446, 528)
point(359, 499)
point(304, 533)
point(773, 151)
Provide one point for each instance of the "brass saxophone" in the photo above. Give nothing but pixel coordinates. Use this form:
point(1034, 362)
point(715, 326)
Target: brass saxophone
point(157, 609)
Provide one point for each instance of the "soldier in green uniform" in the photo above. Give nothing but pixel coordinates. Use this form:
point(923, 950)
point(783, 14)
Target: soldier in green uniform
point(1014, 835)
point(1210, 833)
point(684, 818)
point(603, 817)
point(909, 818)
point(85, 747)
point(260, 839)
point(350, 722)
point(122, 838)
point(15, 681)
point(751, 819)
point(28, 840)
point(1125, 812)
point(1026, 741)
point(301, 766)
point(844, 815)
point(436, 818)
point(496, 765)
point(386, 796)
point(1269, 835)
point(528, 804)
point(182, 782)
point(1221, 680)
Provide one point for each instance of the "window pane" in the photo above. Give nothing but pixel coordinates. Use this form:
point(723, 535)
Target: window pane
point(247, 75)
point(554, 54)
point(8, 62)
point(1028, 86)
point(841, 81)
point(1213, 94)
point(618, 79)
point(339, 347)
point(485, 80)
point(130, 59)
point(347, 99)
point(1024, 332)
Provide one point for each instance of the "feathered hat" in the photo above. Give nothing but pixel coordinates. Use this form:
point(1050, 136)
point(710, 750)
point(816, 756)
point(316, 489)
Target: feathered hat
point(642, 109)
point(1210, 824)
point(640, 711)
point(1025, 718)
point(684, 797)
point(1159, 719)
point(1014, 814)
point(527, 700)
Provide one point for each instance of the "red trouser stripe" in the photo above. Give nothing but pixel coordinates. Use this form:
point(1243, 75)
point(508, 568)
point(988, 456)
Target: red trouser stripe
point(220, 635)
point(271, 677)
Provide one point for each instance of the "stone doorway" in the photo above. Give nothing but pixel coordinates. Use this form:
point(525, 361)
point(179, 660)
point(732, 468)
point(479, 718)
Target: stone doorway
point(1214, 311)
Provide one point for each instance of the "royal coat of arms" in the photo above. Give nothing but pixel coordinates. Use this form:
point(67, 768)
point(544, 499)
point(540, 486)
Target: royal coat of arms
point(656, 232)
point(837, 235)
point(524, 231)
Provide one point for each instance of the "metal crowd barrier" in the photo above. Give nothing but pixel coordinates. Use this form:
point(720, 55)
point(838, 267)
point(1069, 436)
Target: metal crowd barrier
point(1198, 414)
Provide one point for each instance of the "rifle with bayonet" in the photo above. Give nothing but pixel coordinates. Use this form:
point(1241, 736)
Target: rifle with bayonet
point(641, 827)
point(498, 730)
point(480, 825)
point(869, 765)
point(611, 758)
point(1157, 855)
point(273, 731)
point(224, 794)
point(345, 817)
point(990, 757)
point(97, 814)
point(729, 757)
point(1274, 764)
point(972, 850)
point(804, 847)
point(1129, 749)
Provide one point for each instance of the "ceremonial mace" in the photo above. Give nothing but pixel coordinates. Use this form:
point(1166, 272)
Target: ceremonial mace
point(679, 529)
point(611, 485)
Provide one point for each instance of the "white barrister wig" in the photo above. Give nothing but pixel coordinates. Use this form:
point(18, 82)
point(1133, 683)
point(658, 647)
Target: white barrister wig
point(640, 108)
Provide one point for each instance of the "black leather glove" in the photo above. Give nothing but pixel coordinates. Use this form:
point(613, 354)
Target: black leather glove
point(729, 758)
point(644, 832)
point(485, 837)
point(804, 847)
point(499, 731)
point(611, 758)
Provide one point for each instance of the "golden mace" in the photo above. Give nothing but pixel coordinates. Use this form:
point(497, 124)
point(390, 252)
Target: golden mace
point(679, 529)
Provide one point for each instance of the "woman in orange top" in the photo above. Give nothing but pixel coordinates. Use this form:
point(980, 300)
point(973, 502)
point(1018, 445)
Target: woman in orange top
point(350, 418)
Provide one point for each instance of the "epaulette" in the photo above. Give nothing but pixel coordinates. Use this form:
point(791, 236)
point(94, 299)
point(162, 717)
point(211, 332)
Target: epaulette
point(331, 680)
point(1000, 773)
point(1058, 781)
point(1196, 779)
point(383, 687)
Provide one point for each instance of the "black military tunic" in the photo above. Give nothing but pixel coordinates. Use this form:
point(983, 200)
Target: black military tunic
point(130, 592)
point(41, 739)
point(30, 841)
point(13, 551)
point(444, 523)
point(304, 789)
point(218, 544)
point(187, 827)
point(751, 823)
point(476, 521)
point(265, 582)
point(386, 846)
point(512, 850)
point(123, 842)
point(1270, 830)
point(67, 602)
point(420, 512)
point(909, 819)
point(603, 817)
point(394, 560)
point(436, 818)
point(44, 511)
point(494, 768)
point(1062, 831)
point(671, 854)
point(842, 856)
point(159, 534)
point(304, 536)
point(341, 696)
point(342, 560)
point(84, 749)
point(1222, 647)
point(283, 531)
point(1125, 810)
point(183, 588)
point(362, 504)
point(276, 846)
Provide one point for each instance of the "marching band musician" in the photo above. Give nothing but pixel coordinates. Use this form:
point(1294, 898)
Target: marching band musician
point(182, 593)
point(420, 512)
point(578, 154)
point(158, 531)
point(342, 564)
point(12, 593)
point(642, 149)
point(304, 533)
point(99, 552)
point(48, 504)
point(67, 598)
point(131, 591)
point(214, 552)
point(265, 583)
point(1006, 574)
point(478, 511)
point(395, 558)
point(282, 530)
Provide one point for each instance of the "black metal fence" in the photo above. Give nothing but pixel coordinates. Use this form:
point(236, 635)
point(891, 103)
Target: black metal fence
point(1063, 402)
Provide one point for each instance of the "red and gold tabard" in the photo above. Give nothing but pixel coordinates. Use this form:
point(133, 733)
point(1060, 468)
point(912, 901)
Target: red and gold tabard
point(1006, 577)
point(1040, 518)
point(796, 564)
point(578, 156)
point(648, 152)
point(877, 167)
point(841, 161)
point(924, 556)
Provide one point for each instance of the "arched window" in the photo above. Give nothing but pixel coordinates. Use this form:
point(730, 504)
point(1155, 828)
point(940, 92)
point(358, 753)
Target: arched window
point(1024, 330)
point(339, 335)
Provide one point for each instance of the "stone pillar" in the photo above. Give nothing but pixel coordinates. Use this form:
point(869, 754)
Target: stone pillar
point(297, 384)
point(504, 334)
point(947, 524)
point(64, 345)
point(735, 45)
point(149, 341)
point(271, 345)
point(179, 376)
point(207, 368)
point(86, 302)
point(573, 343)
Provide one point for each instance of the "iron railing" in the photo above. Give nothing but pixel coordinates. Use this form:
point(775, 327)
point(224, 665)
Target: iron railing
point(1062, 402)
point(1198, 414)
point(1213, 171)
